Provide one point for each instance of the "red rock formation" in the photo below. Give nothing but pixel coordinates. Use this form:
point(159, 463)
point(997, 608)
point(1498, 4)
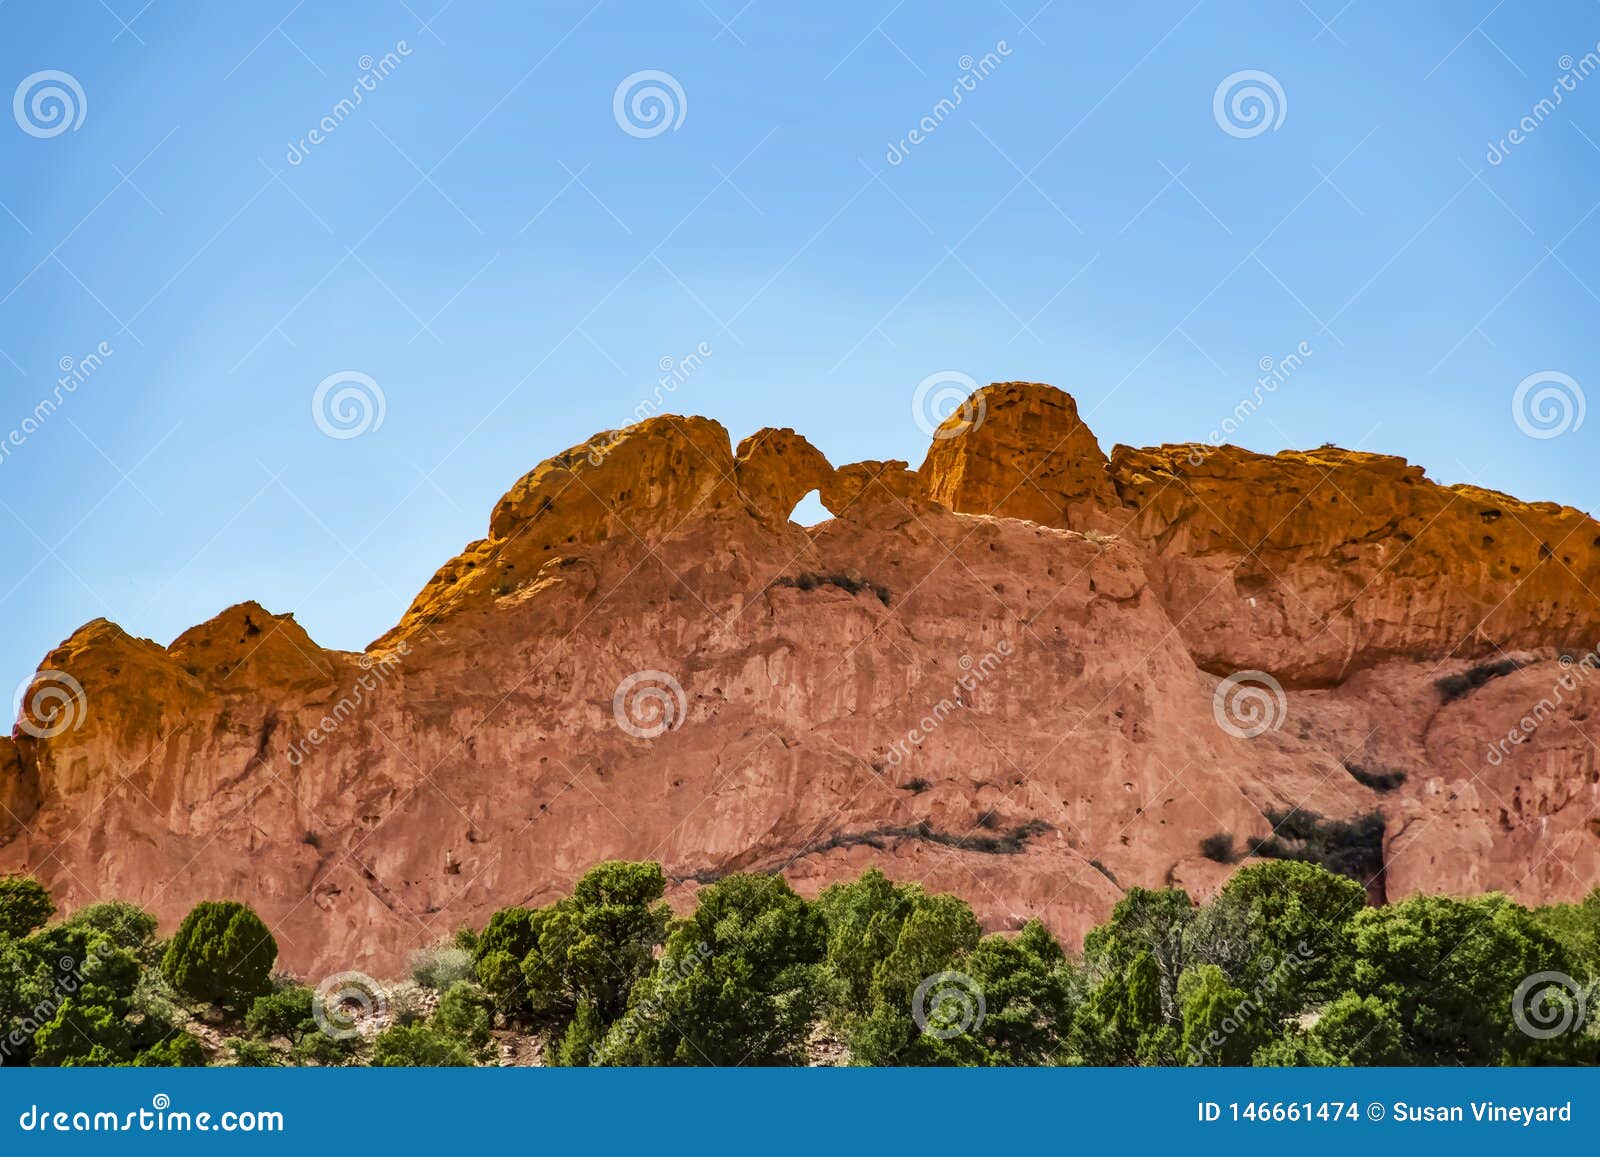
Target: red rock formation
point(1316, 564)
point(1029, 457)
point(775, 469)
point(998, 674)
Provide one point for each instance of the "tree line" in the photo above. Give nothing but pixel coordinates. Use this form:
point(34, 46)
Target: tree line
point(1286, 966)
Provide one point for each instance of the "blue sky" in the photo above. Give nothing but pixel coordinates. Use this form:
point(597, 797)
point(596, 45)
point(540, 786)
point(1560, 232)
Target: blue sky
point(483, 239)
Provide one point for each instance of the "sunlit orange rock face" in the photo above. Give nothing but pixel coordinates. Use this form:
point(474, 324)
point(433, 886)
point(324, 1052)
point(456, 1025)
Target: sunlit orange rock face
point(1007, 674)
point(1314, 565)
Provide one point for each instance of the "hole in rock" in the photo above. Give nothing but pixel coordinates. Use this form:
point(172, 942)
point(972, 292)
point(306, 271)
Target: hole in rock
point(809, 510)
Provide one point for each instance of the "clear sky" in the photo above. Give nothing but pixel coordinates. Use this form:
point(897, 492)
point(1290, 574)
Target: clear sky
point(486, 240)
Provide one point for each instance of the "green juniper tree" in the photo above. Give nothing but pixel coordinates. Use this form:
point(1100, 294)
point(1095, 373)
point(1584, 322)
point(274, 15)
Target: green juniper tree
point(221, 953)
point(24, 906)
point(736, 983)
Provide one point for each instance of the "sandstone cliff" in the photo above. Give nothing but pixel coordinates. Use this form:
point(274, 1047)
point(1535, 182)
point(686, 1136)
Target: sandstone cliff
point(1008, 673)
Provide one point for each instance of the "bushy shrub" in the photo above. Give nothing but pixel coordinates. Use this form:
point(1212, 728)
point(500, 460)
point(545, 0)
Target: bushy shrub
point(580, 1045)
point(1285, 966)
point(1352, 848)
point(541, 966)
point(1279, 930)
point(505, 942)
point(82, 1034)
point(222, 953)
point(1222, 1025)
point(1353, 1030)
point(24, 906)
point(179, 1050)
point(286, 1013)
point(439, 966)
point(127, 925)
point(465, 1014)
point(1133, 963)
point(418, 1046)
point(1453, 687)
point(252, 1054)
point(1012, 1002)
point(1577, 927)
point(735, 985)
point(883, 941)
point(318, 1048)
point(1450, 969)
point(1379, 781)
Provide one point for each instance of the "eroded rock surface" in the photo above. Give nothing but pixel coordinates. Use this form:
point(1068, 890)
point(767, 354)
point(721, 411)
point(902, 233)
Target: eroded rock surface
point(997, 674)
point(1316, 564)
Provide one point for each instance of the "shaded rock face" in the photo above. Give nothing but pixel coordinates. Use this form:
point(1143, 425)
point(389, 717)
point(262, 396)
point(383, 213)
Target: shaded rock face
point(1003, 674)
